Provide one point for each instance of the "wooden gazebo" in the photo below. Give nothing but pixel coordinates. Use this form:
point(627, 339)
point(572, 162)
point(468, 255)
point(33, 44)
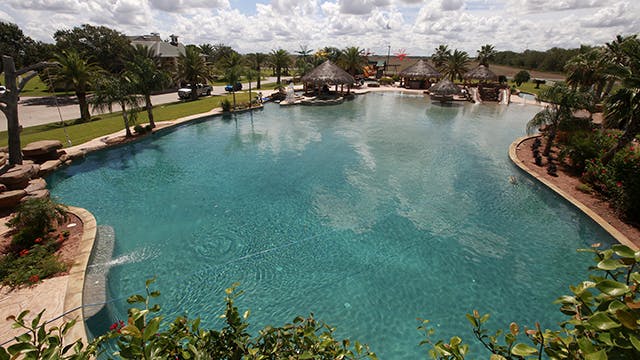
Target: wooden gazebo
point(419, 75)
point(444, 90)
point(488, 87)
point(482, 74)
point(325, 75)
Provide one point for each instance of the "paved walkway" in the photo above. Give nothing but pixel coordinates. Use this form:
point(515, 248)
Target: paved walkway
point(43, 110)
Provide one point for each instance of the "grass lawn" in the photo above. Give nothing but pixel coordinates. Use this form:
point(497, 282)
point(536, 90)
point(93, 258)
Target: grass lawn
point(105, 124)
point(35, 87)
point(529, 87)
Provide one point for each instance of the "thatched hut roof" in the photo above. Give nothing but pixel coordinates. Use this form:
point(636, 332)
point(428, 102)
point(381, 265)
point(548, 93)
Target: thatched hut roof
point(328, 73)
point(444, 87)
point(420, 70)
point(481, 73)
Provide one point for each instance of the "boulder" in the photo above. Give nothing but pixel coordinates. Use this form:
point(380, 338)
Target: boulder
point(49, 166)
point(41, 151)
point(18, 176)
point(38, 194)
point(35, 185)
point(11, 199)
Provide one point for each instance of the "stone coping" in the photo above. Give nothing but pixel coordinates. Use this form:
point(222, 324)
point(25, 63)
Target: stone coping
point(620, 237)
point(72, 308)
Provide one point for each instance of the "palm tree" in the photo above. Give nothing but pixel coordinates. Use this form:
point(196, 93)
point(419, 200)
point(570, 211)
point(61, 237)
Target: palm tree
point(232, 67)
point(485, 54)
point(352, 60)
point(193, 69)
point(622, 110)
point(119, 89)
point(251, 75)
point(146, 76)
point(255, 62)
point(280, 60)
point(208, 51)
point(587, 71)
point(456, 64)
point(441, 56)
point(304, 52)
point(562, 102)
point(78, 73)
point(615, 57)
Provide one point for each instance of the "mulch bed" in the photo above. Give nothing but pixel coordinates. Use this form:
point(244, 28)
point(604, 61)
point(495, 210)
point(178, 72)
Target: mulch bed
point(568, 182)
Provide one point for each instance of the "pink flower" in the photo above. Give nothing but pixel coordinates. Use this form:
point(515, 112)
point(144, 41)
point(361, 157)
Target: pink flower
point(619, 184)
point(38, 240)
point(34, 279)
point(24, 252)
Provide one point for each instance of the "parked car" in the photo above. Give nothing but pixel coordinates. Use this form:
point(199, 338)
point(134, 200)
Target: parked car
point(201, 90)
point(230, 88)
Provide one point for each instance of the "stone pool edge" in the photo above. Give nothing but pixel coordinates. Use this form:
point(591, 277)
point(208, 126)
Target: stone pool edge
point(615, 233)
point(73, 303)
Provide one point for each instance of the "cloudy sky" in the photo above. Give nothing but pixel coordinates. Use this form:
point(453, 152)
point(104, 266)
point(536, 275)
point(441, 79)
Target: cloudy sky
point(417, 26)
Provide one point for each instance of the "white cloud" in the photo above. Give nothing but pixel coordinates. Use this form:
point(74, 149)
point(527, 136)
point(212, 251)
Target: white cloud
point(416, 25)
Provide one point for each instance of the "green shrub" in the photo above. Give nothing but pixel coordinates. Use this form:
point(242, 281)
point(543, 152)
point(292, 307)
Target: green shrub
point(582, 146)
point(521, 77)
point(139, 129)
point(30, 265)
point(33, 219)
point(226, 105)
point(385, 80)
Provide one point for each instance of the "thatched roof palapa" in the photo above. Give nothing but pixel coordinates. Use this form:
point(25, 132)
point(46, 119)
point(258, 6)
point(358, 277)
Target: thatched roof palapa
point(481, 73)
point(420, 71)
point(328, 73)
point(444, 87)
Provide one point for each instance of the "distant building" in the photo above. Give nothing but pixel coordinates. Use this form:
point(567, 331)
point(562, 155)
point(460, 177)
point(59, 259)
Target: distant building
point(168, 51)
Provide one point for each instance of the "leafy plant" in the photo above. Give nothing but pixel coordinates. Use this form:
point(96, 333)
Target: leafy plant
point(226, 105)
point(385, 80)
point(521, 77)
point(33, 219)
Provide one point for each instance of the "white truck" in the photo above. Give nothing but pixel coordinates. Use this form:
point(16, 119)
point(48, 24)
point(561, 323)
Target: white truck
point(201, 90)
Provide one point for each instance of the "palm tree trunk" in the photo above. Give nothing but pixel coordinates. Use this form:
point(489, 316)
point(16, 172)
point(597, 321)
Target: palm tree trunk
point(550, 138)
point(147, 100)
point(250, 99)
point(125, 118)
point(234, 100)
point(625, 139)
point(84, 106)
point(609, 87)
point(278, 71)
point(258, 81)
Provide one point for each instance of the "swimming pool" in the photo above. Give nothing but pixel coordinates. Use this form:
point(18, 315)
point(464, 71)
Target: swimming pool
point(369, 214)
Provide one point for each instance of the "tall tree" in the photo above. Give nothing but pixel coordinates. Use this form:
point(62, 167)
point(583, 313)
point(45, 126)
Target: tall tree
point(232, 67)
point(485, 54)
point(118, 90)
point(76, 72)
point(304, 52)
point(24, 50)
point(9, 102)
point(352, 60)
point(441, 56)
point(561, 104)
point(280, 59)
point(255, 62)
point(107, 47)
point(146, 75)
point(622, 110)
point(193, 69)
point(456, 64)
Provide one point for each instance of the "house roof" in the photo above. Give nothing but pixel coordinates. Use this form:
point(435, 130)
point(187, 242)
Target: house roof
point(160, 48)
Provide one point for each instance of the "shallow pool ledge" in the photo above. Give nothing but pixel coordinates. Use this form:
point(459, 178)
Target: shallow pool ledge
point(75, 285)
point(620, 237)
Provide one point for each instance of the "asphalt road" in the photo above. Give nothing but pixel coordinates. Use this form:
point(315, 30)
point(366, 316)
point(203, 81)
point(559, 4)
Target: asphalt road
point(44, 110)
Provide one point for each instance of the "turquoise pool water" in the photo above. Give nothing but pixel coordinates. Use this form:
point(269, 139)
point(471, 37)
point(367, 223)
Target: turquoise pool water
point(369, 214)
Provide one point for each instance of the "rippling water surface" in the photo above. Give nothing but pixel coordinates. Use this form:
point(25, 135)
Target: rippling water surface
point(369, 214)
